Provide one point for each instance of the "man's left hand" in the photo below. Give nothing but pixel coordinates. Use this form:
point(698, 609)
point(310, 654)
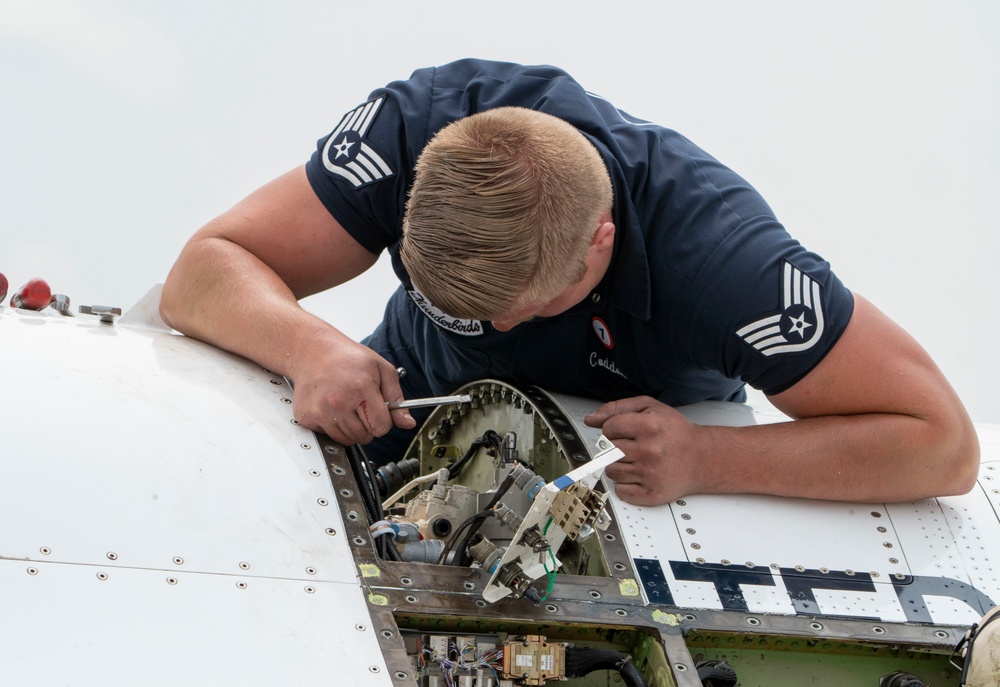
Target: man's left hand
point(661, 448)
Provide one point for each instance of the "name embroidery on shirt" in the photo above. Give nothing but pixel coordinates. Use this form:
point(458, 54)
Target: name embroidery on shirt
point(608, 365)
point(454, 325)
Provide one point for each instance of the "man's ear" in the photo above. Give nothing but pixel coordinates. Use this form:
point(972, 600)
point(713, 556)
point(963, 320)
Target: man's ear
point(604, 237)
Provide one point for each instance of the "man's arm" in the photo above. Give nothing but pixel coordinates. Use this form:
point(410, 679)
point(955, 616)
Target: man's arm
point(875, 421)
point(236, 285)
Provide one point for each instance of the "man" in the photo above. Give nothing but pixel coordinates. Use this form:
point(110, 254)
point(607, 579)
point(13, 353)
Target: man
point(541, 234)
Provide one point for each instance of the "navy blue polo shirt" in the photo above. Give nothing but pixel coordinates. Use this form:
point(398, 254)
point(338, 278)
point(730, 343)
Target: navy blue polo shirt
point(706, 290)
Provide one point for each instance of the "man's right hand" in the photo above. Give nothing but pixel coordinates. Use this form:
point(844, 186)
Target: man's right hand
point(341, 388)
point(237, 283)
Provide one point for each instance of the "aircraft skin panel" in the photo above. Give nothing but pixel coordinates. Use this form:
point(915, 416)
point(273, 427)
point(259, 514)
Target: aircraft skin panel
point(930, 561)
point(82, 625)
point(195, 445)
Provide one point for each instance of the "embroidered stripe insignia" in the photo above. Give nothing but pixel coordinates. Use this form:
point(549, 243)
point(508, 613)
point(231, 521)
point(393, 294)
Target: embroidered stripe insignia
point(349, 155)
point(799, 324)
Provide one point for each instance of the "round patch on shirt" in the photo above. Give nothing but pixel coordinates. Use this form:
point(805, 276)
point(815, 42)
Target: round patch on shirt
point(603, 333)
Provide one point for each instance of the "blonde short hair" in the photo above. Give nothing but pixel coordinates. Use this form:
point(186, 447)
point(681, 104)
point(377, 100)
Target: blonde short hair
point(502, 212)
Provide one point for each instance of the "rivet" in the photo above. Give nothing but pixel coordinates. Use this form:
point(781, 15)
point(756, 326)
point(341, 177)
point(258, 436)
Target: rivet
point(800, 568)
point(469, 585)
point(400, 675)
point(725, 561)
point(816, 626)
point(480, 603)
point(241, 585)
point(32, 571)
point(699, 561)
point(940, 634)
point(881, 529)
point(750, 564)
point(310, 571)
point(887, 545)
point(337, 470)
point(753, 621)
point(178, 560)
point(874, 574)
point(405, 581)
point(310, 590)
point(294, 422)
point(552, 608)
point(595, 297)
point(621, 612)
point(824, 570)
point(102, 576)
point(411, 599)
point(373, 669)
point(690, 531)
point(244, 565)
point(619, 567)
point(360, 628)
point(112, 556)
point(695, 545)
point(681, 502)
point(680, 667)
point(388, 634)
point(323, 502)
point(876, 514)
point(332, 532)
point(609, 537)
point(286, 400)
point(878, 630)
point(346, 493)
point(594, 594)
point(45, 550)
point(360, 541)
point(305, 446)
point(331, 449)
point(171, 580)
point(849, 572)
point(894, 560)
point(685, 516)
point(275, 382)
point(314, 473)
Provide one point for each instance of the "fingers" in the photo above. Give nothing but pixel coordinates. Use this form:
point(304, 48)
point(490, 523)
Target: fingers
point(352, 409)
point(391, 391)
point(635, 404)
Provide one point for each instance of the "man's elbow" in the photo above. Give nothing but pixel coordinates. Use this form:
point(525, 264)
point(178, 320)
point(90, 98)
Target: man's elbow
point(958, 456)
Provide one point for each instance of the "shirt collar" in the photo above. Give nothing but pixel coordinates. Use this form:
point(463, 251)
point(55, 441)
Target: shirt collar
point(626, 285)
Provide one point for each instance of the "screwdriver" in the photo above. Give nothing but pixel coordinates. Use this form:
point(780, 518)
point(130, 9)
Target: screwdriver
point(430, 401)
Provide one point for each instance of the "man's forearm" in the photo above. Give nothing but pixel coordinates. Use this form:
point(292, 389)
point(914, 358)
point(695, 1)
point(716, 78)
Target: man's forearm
point(866, 458)
point(220, 293)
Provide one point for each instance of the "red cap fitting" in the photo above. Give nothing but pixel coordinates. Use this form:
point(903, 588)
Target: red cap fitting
point(34, 295)
point(3, 287)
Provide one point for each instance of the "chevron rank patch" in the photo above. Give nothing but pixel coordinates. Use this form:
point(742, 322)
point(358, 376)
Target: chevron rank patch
point(349, 154)
point(799, 323)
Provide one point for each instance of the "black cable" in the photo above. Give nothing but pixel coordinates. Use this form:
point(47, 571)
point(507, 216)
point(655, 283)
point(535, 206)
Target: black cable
point(364, 476)
point(583, 661)
point(461, 557)
point(458, 530)
point(456, 468)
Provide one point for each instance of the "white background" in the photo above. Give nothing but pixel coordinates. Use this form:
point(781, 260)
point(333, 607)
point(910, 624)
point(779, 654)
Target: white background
point(870, 127)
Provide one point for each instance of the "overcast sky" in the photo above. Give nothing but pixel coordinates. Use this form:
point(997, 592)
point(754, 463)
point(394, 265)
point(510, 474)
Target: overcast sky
point(870, 127)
